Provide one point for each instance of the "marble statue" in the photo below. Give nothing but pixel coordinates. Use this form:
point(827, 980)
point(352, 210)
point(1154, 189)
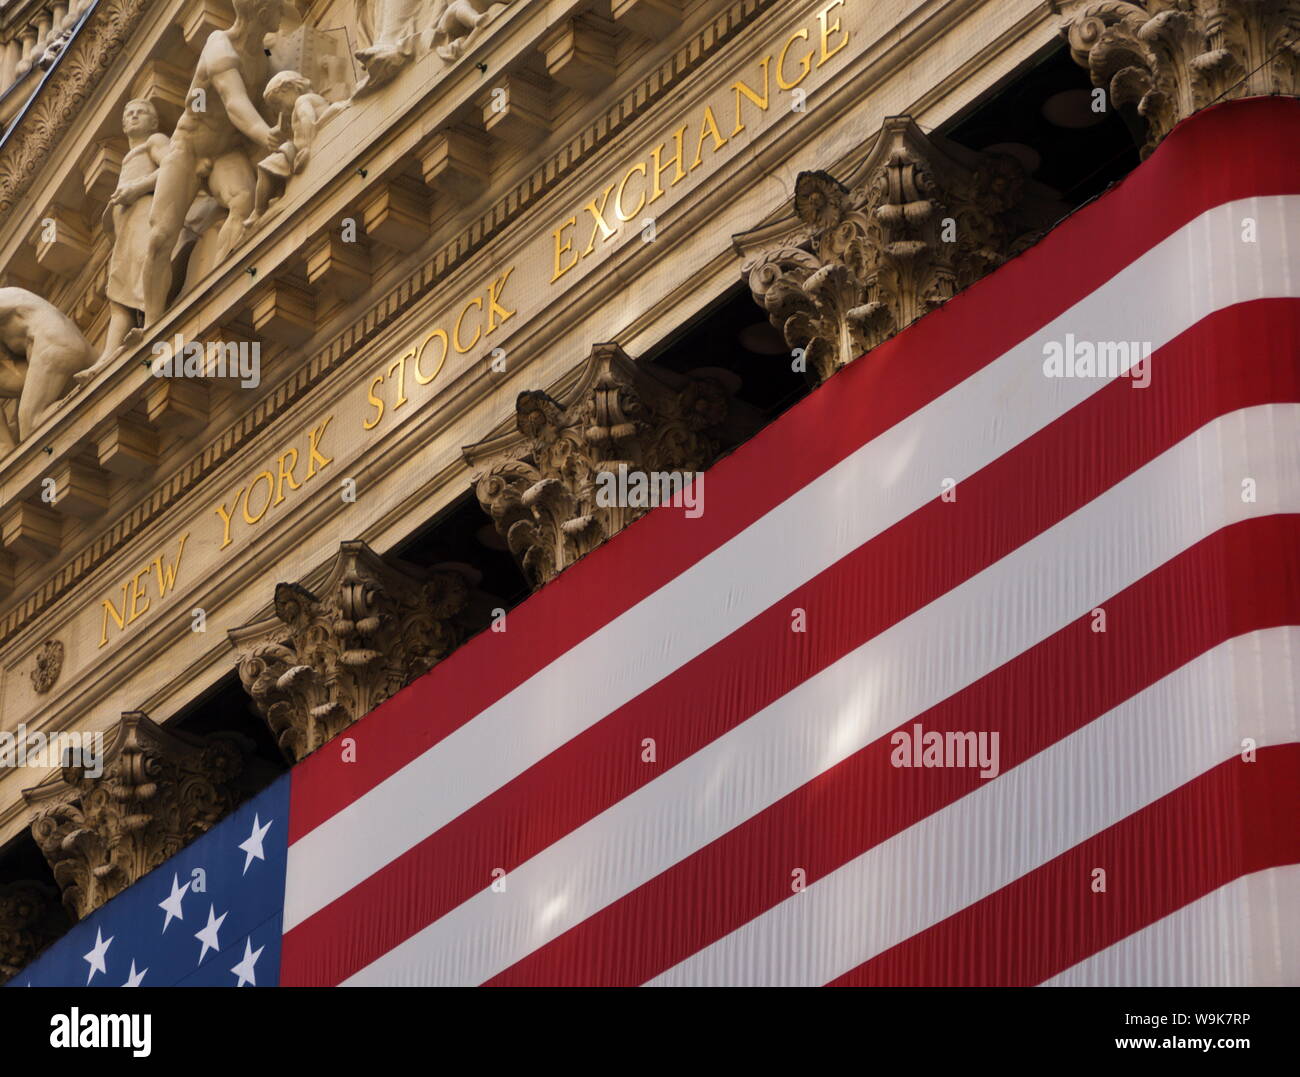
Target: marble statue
point(126, 219)
point(389, 30)
point(212, 142)
point(302, 113)
point(41, 349)
point(457, 22)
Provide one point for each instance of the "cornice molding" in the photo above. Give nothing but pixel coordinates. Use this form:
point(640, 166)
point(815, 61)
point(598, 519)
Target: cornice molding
point(86, 60)
point(401, 297)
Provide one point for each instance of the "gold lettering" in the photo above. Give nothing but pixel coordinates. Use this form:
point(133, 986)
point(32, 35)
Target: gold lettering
point(478, 329)
point(314, 439)
point(225, 514)
point(248, 497)
point(441, 334)
point(495, 308)
point(660, 167)
point(400, 366)
point(805, 64)
point(598, 217)
point(620, 212)
point(709, 127)
point(110, 610)
point(762, 102)
point(294, 484)
point(560, 270)
point(166, 576)
point(376, 403)
point(136, 592)
point(828, 29)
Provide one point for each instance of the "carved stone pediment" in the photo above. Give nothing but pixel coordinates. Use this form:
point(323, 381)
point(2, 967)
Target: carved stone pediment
point(920, 219)
point(540, 479)
point(327, 657)
point(158, 791)
point(1168, 58)
point(31, 917)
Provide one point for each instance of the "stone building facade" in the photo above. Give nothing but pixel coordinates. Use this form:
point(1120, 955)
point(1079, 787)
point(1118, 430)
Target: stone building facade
point(320, 321)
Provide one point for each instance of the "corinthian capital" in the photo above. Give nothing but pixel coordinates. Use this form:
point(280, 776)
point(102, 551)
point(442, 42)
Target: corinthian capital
point(329, 656)
point(31, 917)
point(152, 793)
point(541, 478)
point(1168, 58)
point(920, 220)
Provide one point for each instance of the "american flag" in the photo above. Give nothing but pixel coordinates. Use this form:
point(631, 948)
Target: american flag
point(209, 917)
point(682, 762)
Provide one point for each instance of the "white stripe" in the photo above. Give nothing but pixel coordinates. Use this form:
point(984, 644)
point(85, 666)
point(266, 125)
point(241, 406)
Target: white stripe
point(1234, 937)
point(1156, 298)
point(1133, 528)
point(1151, 744)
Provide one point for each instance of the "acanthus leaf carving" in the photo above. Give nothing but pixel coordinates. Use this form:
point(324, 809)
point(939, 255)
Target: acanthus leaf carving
point(326, 658)
point(103, 824)
point(31, 917)
point(1168, 58)
point(859, 262)
point(540, 483)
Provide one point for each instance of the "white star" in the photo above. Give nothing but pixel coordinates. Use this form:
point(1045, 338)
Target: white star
point(172, 904)
point(96, 956)
point(252, 846)
point(133, 980)
point(244, 970)
point(208, 936)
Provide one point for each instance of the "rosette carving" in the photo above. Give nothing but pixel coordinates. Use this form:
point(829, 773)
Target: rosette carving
point(324, 660)
point(859, 262)
point(1167, 58)
point(103, 824)
point(541, 481)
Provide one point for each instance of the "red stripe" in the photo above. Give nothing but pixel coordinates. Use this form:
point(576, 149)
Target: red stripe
point(1241, 579)
point(1195, 378)
point(1236, 819)
point(1246, 140)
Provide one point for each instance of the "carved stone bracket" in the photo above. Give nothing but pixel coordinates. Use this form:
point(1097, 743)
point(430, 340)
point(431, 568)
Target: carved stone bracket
point(325, 659)
point(31, 917)
point(921, 219)
point(157, 792)
point(540, 485)
point(1168, 58)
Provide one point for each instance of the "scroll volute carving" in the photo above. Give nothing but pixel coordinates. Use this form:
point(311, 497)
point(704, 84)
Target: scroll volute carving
point(540, 483)
point(31, 917)
point(326, 658)
point(1168, 58)
point(156, 791)
point(857, 263)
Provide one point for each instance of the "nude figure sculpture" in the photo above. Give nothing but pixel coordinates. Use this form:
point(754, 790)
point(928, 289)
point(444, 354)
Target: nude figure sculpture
point(212, 141)
point(41, 349)
point(302, 113)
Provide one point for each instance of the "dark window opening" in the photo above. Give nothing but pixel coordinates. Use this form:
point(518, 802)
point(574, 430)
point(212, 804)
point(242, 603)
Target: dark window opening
point(1042, 115)
point(21, 859)
point(226, 708)
point(462, 533)
point(734, 334)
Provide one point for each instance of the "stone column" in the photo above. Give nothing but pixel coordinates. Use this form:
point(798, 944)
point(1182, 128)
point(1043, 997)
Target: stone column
point(1167, 59)
point(540, 483)
point(31, 917)
point(327, 657)
point(103, 824)
point(921, 219)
